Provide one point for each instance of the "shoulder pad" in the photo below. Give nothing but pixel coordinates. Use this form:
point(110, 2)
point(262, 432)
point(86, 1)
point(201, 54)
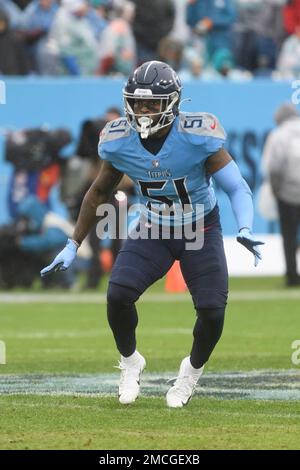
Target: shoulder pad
point(201, 124)
point(114, 130)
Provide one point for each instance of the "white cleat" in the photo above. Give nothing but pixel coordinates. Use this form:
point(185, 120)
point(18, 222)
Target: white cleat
point(185, 384)
point(129, 386)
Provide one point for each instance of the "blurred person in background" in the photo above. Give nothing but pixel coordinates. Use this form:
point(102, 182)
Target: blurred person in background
point(212, 20)
point(288, 64)
point(13, 58)
point(73, 39)
point(222, 67)
point(153, 20)
point(192, 65)
point(170, 51)
point(79, 173)
point(38, 19)
point(180, 31)
point(46, 232)
point(258, 35)
point(281, 166)
point(117, 46)
point(98, 16)
point(291, 15)
point(14, 13)
point(22, 4)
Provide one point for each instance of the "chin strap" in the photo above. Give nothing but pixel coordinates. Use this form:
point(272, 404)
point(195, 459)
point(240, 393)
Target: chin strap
point(145, 123)
point(182, 101)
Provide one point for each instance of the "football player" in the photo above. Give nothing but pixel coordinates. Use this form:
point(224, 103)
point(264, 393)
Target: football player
point(172, 157)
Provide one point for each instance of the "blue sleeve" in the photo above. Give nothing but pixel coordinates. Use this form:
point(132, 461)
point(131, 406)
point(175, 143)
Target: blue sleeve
point(231, 181)
point(102, 153)
point(52, 239)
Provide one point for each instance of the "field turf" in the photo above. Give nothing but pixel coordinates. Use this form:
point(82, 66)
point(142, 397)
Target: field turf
point(48, 341)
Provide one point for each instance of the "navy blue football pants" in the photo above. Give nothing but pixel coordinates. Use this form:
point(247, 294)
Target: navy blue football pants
point(142, 262)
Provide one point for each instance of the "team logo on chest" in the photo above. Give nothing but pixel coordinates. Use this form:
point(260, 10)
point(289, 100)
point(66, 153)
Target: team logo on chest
point(158, 172)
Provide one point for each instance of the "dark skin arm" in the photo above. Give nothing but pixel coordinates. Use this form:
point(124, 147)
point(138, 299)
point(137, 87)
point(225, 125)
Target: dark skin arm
point(217, 161)
point(99, 193)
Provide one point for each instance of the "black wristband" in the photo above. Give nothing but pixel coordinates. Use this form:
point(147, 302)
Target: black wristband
point(76, 243)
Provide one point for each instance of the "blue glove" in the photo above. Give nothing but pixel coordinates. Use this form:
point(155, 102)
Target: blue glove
point(246, 238)
point(63, 260)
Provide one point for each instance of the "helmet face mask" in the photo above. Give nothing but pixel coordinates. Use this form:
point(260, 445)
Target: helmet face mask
point(151, 98)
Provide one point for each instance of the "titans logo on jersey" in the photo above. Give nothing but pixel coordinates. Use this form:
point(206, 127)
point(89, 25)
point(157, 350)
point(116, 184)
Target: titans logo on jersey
point(175, 176)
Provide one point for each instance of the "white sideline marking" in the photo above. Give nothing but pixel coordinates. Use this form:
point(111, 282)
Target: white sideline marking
point(97, 298)
point(254, 385)
point(89, 333)
point(2, 353)
point(146, 331)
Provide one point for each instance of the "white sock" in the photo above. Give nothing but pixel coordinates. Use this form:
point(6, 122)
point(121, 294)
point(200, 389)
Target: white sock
point(133, 359)
point(193, 370)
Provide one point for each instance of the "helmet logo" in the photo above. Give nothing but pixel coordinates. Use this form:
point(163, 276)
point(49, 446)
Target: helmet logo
point(142, 92)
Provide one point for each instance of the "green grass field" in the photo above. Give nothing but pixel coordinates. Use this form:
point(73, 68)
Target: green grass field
point(58, 389)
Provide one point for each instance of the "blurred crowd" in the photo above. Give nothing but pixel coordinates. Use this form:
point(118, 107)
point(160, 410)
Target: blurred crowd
point(200, 39)
point(204, 39)
point(44, 198)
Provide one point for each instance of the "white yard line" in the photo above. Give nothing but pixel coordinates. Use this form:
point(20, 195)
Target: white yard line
point(254, 385)
point(99, 298)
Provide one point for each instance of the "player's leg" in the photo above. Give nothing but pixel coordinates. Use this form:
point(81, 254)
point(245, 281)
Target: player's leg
point(289, 222)
point(205, 272)
point(139, 264)
point(206, 275)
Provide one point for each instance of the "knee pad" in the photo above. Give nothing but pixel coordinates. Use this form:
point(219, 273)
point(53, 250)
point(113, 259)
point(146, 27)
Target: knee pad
point(118, 295)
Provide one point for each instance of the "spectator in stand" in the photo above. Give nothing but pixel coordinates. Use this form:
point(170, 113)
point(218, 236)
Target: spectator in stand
point(192, 65)
point(288, 64)
point(13, 60)
point(180, 31)
point(212, 19)
point(38, 18)
point(97, 16)
point(47, 232)
point(258, 34)
point(151, 23)
point(117, 45)
point(13, 12)
point(22, 4)
point(291, 16)
point(170, 51)
point(281, 165)
point(73, 38)
point(222, 67)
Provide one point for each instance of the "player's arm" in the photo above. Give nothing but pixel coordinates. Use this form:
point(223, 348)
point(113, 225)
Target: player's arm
point(226, 173)
point(99, 193)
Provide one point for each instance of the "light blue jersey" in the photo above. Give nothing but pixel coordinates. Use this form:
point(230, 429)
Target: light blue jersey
point(176, 175)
